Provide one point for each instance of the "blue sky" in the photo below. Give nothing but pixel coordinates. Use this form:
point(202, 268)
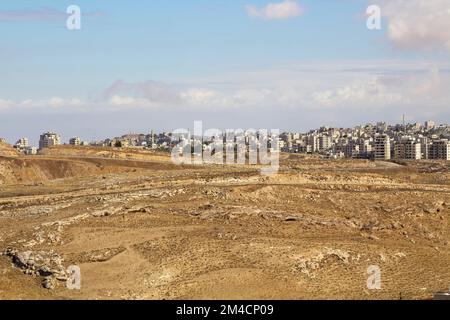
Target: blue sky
point(167, 40)
point(171, 62)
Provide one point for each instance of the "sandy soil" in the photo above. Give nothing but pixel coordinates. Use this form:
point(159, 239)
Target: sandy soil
point(141, 228)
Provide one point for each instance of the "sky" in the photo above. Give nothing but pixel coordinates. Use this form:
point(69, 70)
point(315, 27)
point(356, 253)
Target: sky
point(291, 65)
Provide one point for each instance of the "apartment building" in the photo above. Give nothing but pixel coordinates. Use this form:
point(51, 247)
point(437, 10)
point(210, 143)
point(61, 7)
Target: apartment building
point(30, 151)
point(49, 139)
point(325, 142)
point(365, 147)
point(75, 141)
point(21, 144)
point(382, 147)
point(430, 125)
point(439, 150)
point(407, 150)
point(313, 141)
point(424, 146)
point(348, 150)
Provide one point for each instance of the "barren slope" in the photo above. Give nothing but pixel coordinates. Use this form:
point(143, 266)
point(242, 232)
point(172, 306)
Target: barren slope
point(7, 150)
point(154, 231)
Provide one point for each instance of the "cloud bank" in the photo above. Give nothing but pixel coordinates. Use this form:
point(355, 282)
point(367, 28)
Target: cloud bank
point(356, 87)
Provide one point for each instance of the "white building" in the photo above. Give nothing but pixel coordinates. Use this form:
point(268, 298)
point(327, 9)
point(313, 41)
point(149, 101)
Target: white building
point(407, 150)
point(429, 125)
point(313, 141)
point(424, 145)
point(382, 147)
point(75, 141)
point(365, 147)
point(49, 139)
point(30, 151)
point(21, 144)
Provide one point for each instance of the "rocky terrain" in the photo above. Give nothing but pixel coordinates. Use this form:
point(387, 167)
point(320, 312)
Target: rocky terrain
point(7, 150)
point(140, 227)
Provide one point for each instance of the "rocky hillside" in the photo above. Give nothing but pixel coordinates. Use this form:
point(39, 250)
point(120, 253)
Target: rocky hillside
point(17, 170)
point(7, 150)
point(105, 152)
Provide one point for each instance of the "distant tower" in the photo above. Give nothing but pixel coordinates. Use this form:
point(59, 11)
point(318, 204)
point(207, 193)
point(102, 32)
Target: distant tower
point(404, 124)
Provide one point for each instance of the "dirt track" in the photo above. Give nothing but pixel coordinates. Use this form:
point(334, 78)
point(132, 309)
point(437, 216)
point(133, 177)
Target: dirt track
point(141, 228)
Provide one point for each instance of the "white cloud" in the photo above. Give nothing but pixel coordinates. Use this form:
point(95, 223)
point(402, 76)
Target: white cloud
point(198, 96)
point(418, 24)
point(5, 104)
point(154, 92)
point(283, 10)
point(351, 86)
point(51, 103)
point(119, 101)
point(362, 93)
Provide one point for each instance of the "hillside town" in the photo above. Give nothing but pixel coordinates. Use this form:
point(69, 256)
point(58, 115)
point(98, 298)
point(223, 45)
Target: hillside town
point(379, 141)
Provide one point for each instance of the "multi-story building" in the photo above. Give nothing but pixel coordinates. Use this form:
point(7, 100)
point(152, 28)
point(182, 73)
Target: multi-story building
point(313, 141)
point(348, 150)
point(30, 151)
point(439, 150)
point(424, 146)
point(49, 139)
point(21, 144)
point(429, 125)
point(407, 150)
point(382, 147)
point(382, 127)
point(324, 142)
point(120, 143)
point(150, 139)
point(75, 141)
point(365, 148)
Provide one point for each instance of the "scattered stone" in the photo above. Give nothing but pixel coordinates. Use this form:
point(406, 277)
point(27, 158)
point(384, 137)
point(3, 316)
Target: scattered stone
point(49, 283)
point(373, 237)
point(44, 264)
point(310, 265)
point(292, 219)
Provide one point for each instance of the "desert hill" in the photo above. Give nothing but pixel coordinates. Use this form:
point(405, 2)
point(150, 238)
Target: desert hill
point(71, 162)
point(7, 150)
point(140, 227)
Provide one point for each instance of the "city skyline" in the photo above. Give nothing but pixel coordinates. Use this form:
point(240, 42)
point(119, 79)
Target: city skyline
point(401, 127)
